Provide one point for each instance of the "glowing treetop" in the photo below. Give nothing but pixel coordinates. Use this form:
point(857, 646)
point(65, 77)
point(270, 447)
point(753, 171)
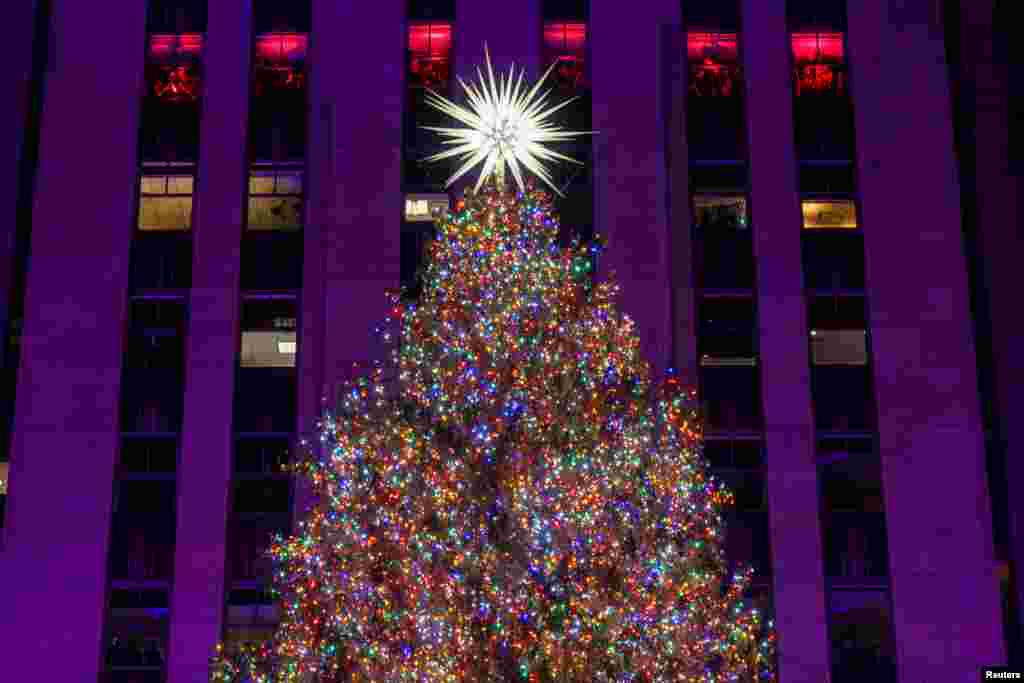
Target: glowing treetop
point(505, 124)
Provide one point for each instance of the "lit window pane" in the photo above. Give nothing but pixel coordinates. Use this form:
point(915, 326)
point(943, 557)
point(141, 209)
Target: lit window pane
point(165, 213)
point(261, 349)
point(289, 183)
point(714, 211)
point(835, 214)
point(180, 185)
point(261, 184)
point(268, 213)
point(153, 184)
point(839, 347)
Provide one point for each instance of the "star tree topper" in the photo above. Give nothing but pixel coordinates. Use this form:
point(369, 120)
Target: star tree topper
point(505, 124)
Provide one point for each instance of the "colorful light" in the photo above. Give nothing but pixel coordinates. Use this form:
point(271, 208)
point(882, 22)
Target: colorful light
point(509, 497)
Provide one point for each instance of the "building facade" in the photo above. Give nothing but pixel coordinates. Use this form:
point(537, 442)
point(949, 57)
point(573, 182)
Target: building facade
point(810, 211)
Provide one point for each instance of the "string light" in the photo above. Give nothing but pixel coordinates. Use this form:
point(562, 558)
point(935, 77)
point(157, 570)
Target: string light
point(510, 497)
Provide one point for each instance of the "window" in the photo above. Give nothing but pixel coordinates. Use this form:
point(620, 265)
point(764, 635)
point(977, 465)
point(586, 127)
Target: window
point(142, 539)
point(261, 457)
point(853, 520)
point(818, 63)
point(272, 260)
point(430, 47)
point(265, 398)
point(722, 243)
point(833, 261)
point(272, 345)
point(277, 125)
point(732, 399)
point(170, 107)
point(275, 198)
point(139, 635)
point(156, 336)
point(720, 212)
point(260, 509)
point(173, 71)
point(565, 47)
point(819, 214)
point(165, 196)
point(161, 260)
point(714, 65)
point(280, 60)
point(839, 347)
point(425, 207)
point(860, 632)
point(727, 335)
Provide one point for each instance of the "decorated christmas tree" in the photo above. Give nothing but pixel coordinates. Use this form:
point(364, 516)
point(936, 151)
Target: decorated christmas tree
point(509, 496)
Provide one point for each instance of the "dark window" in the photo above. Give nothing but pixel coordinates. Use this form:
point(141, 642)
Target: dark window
point(177, 16)
point(722, 243)
point(860, 632)
point(414, 238)
point(833, 260)
point(853, 519)
point(148, 457)
point(142, 538)
point(161, 261)
point(261, 510)
point(139, 630)
point(733, 454)
point(272, 260)
point(261, 457)
point(732, 398)
point(728, 332)
point(425, 10)
point(565, 10)
point(273, 16)
point(156, 335)
point(565, 45)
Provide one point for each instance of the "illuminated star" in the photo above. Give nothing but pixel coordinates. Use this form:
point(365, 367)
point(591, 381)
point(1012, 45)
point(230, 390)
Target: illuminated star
point(505, 125)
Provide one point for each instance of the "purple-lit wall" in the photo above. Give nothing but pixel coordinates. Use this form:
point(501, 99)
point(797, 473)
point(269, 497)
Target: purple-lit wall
point(205, 467)
point(54, 559)
point(945, 591)
point(630, 170)
point(791, 472)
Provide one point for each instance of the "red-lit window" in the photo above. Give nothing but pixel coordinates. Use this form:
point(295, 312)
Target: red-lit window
point(714, 64)
point(565, 45)
point(430, 51)
point(280, 62)
point(818, 62)
point(174, 67)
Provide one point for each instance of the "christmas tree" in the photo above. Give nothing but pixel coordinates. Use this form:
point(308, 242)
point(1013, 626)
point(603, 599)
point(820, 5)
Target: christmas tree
point(509, 496)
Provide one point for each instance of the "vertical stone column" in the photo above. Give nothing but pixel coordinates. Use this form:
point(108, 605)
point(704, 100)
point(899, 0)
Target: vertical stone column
point(66, 428)
point(512, 33)
point(791, 471)
point(631, 183)
point(683, 330)
point(205, 468)
point(984, 79)
point(355, 195)
point(22, 23)
point(945, 591)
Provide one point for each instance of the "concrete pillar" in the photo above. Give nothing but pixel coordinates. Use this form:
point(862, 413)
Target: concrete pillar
point(205, 469)
point(17, 77)
point(791, 472)
point(683, 330)
point(984, 79)
point(512, 34)
point(945, 591)
point(66, 428)
point(631, 184)
point(354, 202)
